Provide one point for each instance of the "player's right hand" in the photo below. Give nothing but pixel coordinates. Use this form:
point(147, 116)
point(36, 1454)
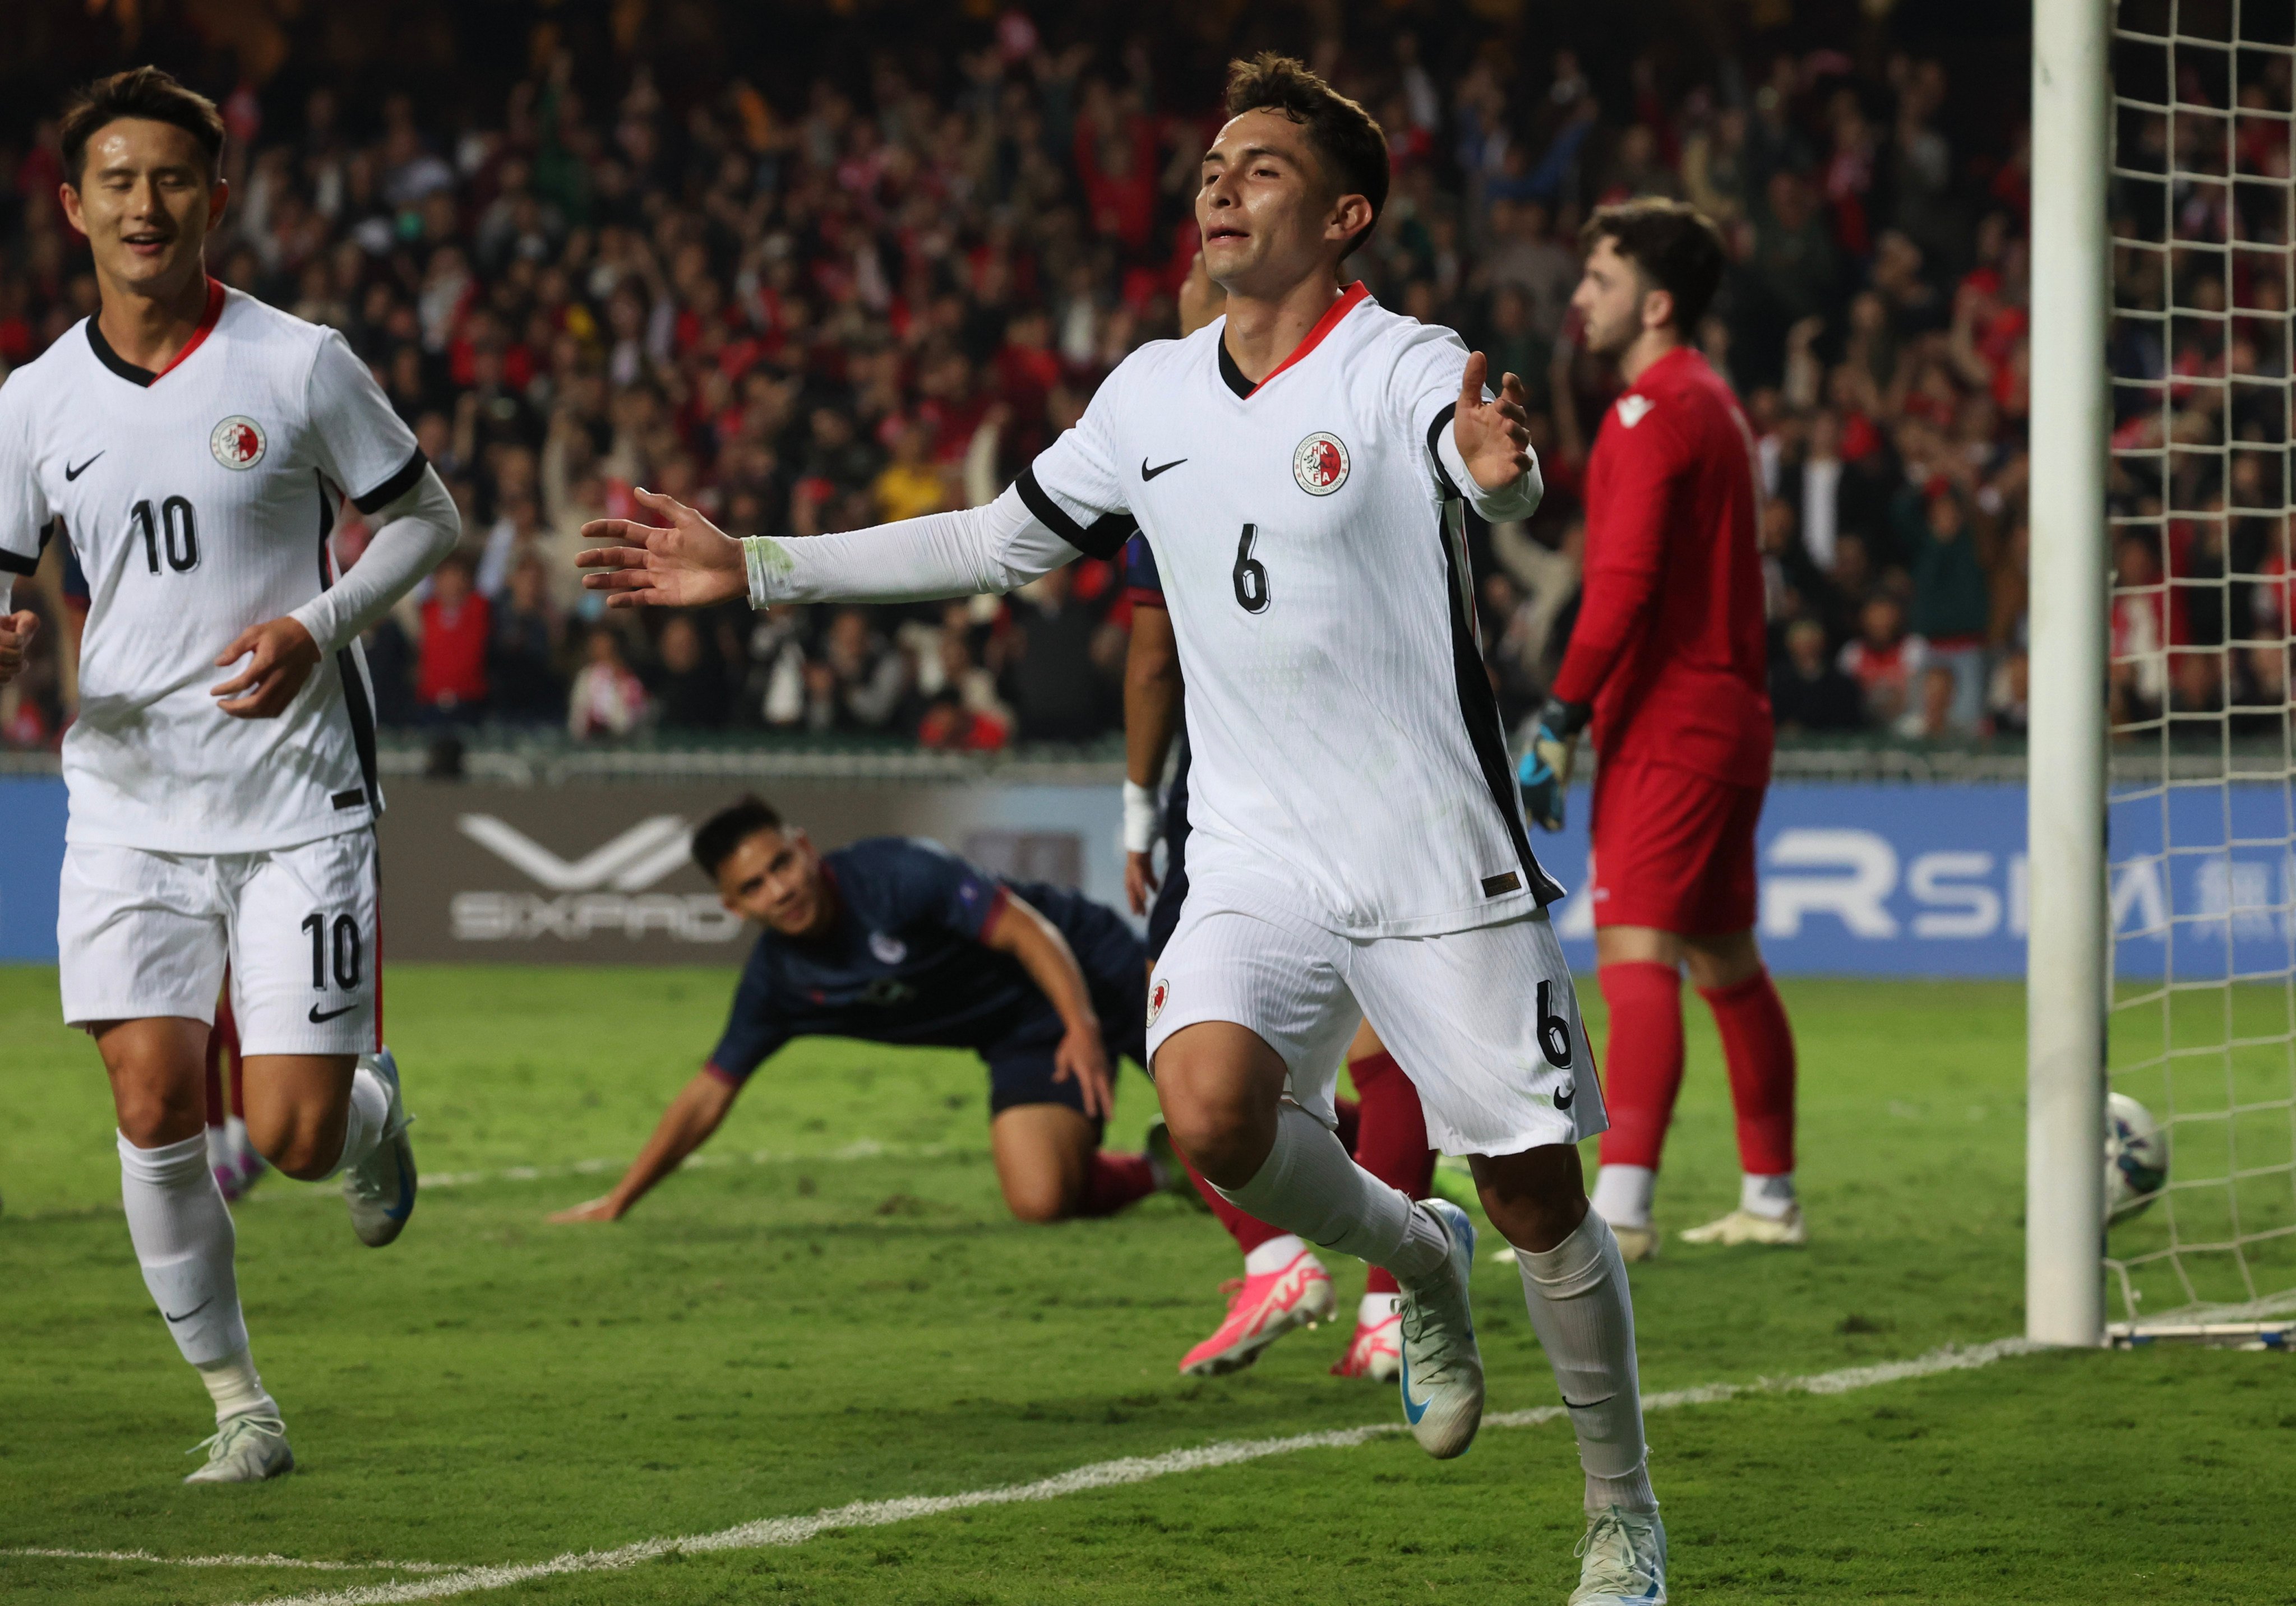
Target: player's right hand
point(1140, 883)
point(16, 633)
point(686, 562)
point(596, 1209)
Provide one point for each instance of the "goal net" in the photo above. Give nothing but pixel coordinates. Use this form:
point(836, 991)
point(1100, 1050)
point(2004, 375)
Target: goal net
point(2200, 789)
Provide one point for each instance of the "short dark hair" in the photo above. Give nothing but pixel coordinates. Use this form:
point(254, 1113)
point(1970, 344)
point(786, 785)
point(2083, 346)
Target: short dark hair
point(140, 92)
point(1346, 138)
point(717, 837)
point(1674, 245)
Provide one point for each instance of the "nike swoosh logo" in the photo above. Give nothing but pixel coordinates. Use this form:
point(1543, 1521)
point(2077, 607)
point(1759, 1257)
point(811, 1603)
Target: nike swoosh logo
point(1572, 1404)
point(1413, 1409)
point(188, 1314)
point(1563, 1101)
point(317, 1019)
point(1147, 473)
point(72, 473)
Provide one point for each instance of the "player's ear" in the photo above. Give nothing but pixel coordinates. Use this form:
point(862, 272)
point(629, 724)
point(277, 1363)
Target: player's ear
point(219, 198)
point(1658, 308)
point(1350, 215)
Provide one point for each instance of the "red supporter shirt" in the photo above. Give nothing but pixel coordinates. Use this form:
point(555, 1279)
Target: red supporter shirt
point(1669, 645)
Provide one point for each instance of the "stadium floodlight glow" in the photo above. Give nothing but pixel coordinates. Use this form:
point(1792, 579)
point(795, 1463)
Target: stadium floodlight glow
point(2162, 956)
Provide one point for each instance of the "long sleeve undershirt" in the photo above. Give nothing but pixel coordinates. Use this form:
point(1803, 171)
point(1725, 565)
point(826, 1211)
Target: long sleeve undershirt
point(412, 535)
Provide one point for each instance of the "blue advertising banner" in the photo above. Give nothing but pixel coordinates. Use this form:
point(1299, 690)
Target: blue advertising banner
point(31, 856)
point(1857, 879)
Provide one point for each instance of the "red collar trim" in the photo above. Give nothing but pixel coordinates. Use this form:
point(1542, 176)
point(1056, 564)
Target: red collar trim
point(1349, 299)
point(199, 336)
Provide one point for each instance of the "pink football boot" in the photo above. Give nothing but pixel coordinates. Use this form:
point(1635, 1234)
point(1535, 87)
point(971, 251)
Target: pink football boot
point(1261, 1310)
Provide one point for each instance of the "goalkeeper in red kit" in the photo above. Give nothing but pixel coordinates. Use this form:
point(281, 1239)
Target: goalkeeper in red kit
point(1667, 663)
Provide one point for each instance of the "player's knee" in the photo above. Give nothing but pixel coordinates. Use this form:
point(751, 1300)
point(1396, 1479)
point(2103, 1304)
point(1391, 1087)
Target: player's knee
point(150, 1119)
point(1536, 1199)
point(1040, 1206)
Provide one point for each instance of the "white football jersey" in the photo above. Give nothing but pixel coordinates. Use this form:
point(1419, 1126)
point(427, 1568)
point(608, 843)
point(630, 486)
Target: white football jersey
point(1346, 746)
point(198, 500)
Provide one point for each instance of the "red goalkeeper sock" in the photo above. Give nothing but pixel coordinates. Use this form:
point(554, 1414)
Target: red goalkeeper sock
point(1116, 1181)
point(1642, 1062)
point(1390, 1137)
point(1759, 1048)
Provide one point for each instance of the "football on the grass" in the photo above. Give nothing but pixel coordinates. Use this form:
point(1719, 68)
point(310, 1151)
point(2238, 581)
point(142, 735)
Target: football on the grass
point(2135, 1158)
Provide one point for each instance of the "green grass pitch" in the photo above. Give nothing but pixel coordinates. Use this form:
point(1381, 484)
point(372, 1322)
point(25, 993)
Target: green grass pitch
point(771, 1337)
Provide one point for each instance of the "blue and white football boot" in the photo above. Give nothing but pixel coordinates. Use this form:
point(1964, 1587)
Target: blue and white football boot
point(1625, 1561)
point(380, 1190)
point(1442, 1371)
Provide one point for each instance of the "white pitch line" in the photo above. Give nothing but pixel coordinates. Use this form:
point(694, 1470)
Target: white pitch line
point(772, 1531)
point(293, 1561)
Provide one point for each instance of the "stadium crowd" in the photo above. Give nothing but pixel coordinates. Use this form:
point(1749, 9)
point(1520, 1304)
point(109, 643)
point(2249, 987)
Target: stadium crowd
point(880, 298)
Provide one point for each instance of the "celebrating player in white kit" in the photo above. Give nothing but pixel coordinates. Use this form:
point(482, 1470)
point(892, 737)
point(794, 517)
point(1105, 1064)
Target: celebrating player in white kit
point(1299, 468)
point(194, 447)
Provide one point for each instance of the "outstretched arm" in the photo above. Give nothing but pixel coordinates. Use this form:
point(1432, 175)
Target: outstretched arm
point(1019, 929)
point(696, 1112)
point(687, 562)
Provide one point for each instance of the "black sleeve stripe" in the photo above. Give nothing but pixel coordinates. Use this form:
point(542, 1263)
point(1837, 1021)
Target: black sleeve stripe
point(391, 489)
point(1104, 538)
point(1047, 512)
point(1435, 433)
point(12, 562)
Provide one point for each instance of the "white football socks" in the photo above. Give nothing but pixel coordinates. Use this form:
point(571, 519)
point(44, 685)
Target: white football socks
point(1274, 1254)
point(1769, 1196)
point(1585, 1319)
point(183, 1240)
point(236, 1390)
point(1622, 1194)
point(1312, 1187)
point(1376, 1308)
point(370, 1107)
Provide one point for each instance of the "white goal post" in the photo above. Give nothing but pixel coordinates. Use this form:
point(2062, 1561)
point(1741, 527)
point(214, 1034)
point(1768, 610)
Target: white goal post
point(2161, 769)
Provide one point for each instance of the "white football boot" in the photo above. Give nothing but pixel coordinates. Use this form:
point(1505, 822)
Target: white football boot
point(1638, 1243)
point(1743, 1226)
point(1441, 1372)
point(1625, 1561)
point(380, 1190)
point(246, 1449)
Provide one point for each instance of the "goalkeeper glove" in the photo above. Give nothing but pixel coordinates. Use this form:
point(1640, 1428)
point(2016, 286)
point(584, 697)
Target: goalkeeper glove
point(1545, 773)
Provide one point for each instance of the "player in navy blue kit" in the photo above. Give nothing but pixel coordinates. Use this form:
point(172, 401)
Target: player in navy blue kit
point(896, 940)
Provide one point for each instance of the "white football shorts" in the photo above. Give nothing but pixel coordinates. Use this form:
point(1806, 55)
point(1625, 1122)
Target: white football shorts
point(142, 934)
point(1484, 1022)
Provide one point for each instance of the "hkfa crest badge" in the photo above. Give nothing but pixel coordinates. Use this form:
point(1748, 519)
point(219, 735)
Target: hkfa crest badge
point(889, 950)
point(1320, 463)
point(1157, 993)
point(238, 442)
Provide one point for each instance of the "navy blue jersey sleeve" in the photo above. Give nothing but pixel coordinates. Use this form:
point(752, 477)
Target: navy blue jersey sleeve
point(1141, 580)
point(929, 884)
point(753, 1030)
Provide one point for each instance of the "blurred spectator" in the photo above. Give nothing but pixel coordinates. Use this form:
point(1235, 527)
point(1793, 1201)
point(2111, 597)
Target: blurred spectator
point(450, 677)
point(858, 682)
point(690, 693)
point(608, 698)
point(522, 660)
point(1808, 693)
point(1951, 606)
point(1058, 692)
point(1884, 659)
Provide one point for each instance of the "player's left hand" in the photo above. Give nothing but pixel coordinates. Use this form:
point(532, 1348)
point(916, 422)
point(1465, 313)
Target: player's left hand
point(279, 658)
point(1493, 436)
point(1082, 1056)
point(1545, 773)
point(600, 1208)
